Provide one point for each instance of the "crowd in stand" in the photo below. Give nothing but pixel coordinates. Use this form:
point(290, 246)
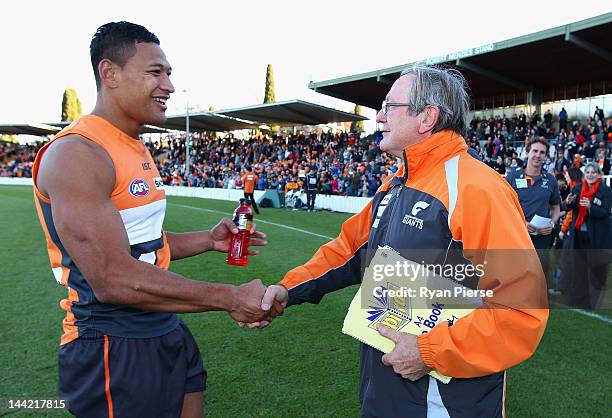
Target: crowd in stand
point(17, 160)
point(349, 164)
point(346, 164)
point(498, 140)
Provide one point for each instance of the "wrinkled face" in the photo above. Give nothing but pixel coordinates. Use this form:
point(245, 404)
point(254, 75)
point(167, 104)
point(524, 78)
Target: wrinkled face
point(399, 128)
point(143, 85)
point(537, 155)
point(591, 175)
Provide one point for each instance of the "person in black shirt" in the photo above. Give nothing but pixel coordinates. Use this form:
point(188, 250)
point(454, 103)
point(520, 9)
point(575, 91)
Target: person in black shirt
point(311, 184)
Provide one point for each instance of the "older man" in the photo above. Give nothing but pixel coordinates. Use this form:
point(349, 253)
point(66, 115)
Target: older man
point(458, 211)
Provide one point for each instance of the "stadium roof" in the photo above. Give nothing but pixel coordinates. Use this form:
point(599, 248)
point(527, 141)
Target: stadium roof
point(566, 62)
point(291, 113)
point(28, 129)
point(206, 121)
point(146, 129)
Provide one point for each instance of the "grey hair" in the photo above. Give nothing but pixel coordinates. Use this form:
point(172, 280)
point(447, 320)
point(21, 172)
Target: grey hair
point(444, 88)
point(595, 167)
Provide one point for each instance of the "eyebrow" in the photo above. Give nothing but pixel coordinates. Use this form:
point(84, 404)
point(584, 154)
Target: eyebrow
point(160, 65)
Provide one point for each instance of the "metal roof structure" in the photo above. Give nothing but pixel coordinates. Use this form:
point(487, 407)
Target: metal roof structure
point(291, 113)
point(28, 129)
point(566, 62)
point(146, 129)
point(206, 121)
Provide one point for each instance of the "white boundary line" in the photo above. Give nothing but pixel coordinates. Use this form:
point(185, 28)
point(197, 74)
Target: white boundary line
point(303, 231)
point(583, 312)
point(577, 310)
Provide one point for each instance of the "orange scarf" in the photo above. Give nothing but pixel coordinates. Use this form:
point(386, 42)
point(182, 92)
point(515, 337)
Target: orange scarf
point(587, 192)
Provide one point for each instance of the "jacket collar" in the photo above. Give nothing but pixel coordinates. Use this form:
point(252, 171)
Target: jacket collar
point(424, 155)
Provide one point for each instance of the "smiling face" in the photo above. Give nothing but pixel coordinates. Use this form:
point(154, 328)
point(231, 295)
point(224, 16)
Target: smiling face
point(591, 175)
point(537, 155)
point(142, 86)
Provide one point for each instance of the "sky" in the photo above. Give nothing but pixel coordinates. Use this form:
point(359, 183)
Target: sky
point(219, 50)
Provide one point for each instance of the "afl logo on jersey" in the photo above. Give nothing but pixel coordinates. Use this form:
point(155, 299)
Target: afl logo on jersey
point(139, 188)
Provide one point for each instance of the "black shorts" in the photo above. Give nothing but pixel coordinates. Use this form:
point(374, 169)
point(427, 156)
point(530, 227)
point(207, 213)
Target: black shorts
point(104, 376)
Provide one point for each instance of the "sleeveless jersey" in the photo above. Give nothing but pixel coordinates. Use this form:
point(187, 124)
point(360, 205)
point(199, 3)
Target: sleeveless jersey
point(140, 199)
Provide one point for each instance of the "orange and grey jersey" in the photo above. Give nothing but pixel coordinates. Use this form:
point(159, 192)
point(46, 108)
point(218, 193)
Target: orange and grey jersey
point(443, 208)
point(140, 199)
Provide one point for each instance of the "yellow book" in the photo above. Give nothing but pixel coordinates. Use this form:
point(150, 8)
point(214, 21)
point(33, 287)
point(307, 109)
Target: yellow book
point(413, 303)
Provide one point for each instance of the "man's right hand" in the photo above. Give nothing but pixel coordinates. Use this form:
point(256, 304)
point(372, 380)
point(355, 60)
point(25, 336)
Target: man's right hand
point(247, 306)
point(274, 303)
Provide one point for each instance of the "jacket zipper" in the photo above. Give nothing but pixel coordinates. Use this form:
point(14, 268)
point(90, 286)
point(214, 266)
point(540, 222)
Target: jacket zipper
point(401, 188)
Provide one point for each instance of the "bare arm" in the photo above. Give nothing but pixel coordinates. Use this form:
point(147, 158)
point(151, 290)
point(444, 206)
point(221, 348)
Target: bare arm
point(555, 213)
point(78, 177)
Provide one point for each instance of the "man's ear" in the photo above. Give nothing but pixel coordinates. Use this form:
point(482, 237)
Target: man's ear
point(108, 73)
point(429, 118)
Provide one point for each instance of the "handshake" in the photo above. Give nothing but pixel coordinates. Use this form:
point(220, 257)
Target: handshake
point(255, 305)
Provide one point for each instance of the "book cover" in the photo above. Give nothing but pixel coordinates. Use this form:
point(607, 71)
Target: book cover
point(413, 304)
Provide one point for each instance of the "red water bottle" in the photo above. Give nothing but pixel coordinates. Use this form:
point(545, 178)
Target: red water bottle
point(238, 254)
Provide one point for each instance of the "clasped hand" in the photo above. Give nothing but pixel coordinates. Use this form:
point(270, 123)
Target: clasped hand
point(256, 306)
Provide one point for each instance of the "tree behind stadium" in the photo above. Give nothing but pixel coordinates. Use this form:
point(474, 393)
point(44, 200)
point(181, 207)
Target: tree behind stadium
point(269, 94)
point(357, 126)
point(71, 106)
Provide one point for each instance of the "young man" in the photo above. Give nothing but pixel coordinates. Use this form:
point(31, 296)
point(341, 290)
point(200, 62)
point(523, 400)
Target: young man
point(538, 194)
point(101, 203)
point(450, 208)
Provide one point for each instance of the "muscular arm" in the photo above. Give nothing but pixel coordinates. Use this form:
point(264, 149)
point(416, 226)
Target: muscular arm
point(187, 244)
point(78, 177)
point(219, 238)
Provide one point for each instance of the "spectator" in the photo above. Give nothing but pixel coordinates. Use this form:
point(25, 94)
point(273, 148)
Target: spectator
point(563, 120)
point(589, 233)
point(599, 115)
point(548, 119)
point(604, 163)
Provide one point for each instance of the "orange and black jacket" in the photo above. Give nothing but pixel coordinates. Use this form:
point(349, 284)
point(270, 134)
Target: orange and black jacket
point(442, 206)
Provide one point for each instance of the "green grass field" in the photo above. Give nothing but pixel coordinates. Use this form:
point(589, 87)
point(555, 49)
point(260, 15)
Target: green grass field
point(301, 366)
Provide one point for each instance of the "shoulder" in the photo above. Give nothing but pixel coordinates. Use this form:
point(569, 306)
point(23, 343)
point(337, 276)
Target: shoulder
point(74, 143)
point(512, 173)
point(475, 177)
point(75, 160)
point(551, 178)
point(605, 190)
